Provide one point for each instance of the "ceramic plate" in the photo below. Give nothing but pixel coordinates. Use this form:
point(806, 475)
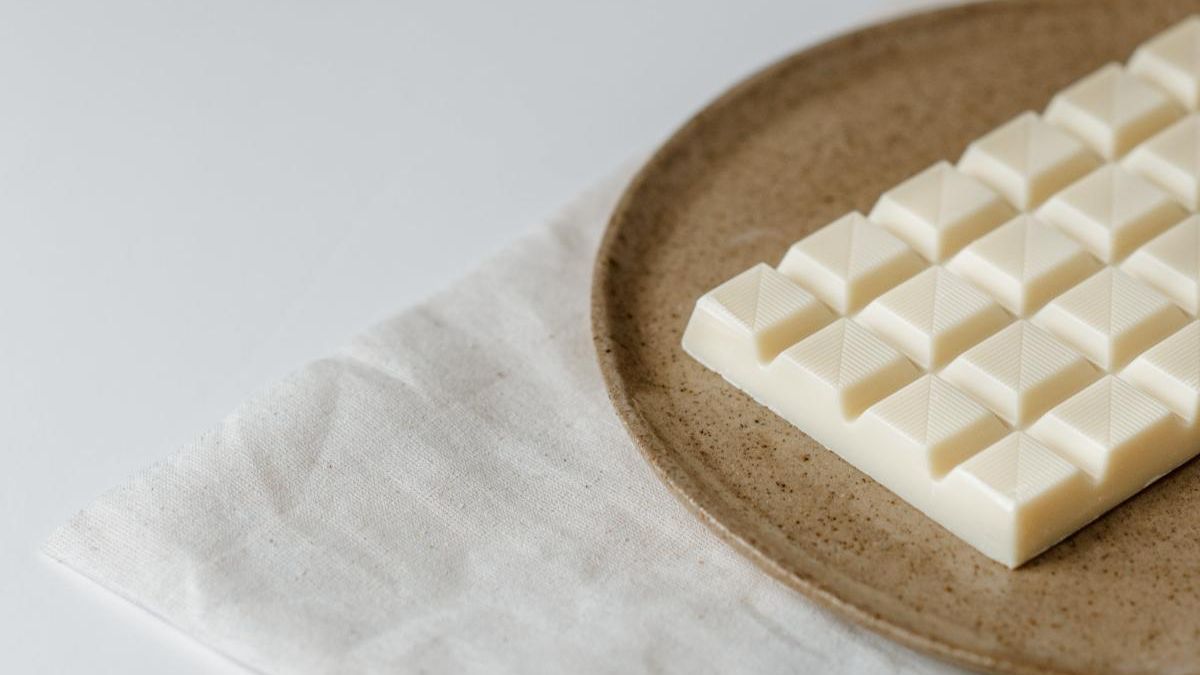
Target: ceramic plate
point(814, 136)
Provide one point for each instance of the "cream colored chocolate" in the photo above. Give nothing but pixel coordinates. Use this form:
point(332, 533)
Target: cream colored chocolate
point(1169, 60)
point(933, 317)
point(1171, 264)
point(850, 262)
point(1169, 159)
point(1024, 263)
point(1110, 318)
point(1012, 375)
point(1027, 160)
point(1112, 111)
point(1111, 212)
point(940, 210)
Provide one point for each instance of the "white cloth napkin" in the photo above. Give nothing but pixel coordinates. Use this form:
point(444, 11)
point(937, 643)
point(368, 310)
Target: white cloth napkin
point(452, 492)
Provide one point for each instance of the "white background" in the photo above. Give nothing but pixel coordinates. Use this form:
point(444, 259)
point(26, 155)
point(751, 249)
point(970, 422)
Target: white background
point(197, 198)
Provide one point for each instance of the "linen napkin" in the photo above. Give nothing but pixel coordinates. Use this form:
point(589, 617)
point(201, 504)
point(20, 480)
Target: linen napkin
point(452, 492)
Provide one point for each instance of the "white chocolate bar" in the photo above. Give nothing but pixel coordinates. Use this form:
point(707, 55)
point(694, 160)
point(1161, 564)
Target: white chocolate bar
point(1010, 344)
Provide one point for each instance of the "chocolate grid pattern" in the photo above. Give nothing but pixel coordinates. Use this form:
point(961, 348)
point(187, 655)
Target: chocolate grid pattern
point(1078, 171)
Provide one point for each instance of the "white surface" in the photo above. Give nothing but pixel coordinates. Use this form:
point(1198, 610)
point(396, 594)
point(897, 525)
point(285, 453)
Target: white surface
point(453, 492)
point(362, 155)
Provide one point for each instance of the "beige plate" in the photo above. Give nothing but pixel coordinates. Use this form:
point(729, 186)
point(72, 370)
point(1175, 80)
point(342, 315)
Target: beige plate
point(816, 135)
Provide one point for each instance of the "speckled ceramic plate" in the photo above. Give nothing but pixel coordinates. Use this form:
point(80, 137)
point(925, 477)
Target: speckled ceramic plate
point(818, 134)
